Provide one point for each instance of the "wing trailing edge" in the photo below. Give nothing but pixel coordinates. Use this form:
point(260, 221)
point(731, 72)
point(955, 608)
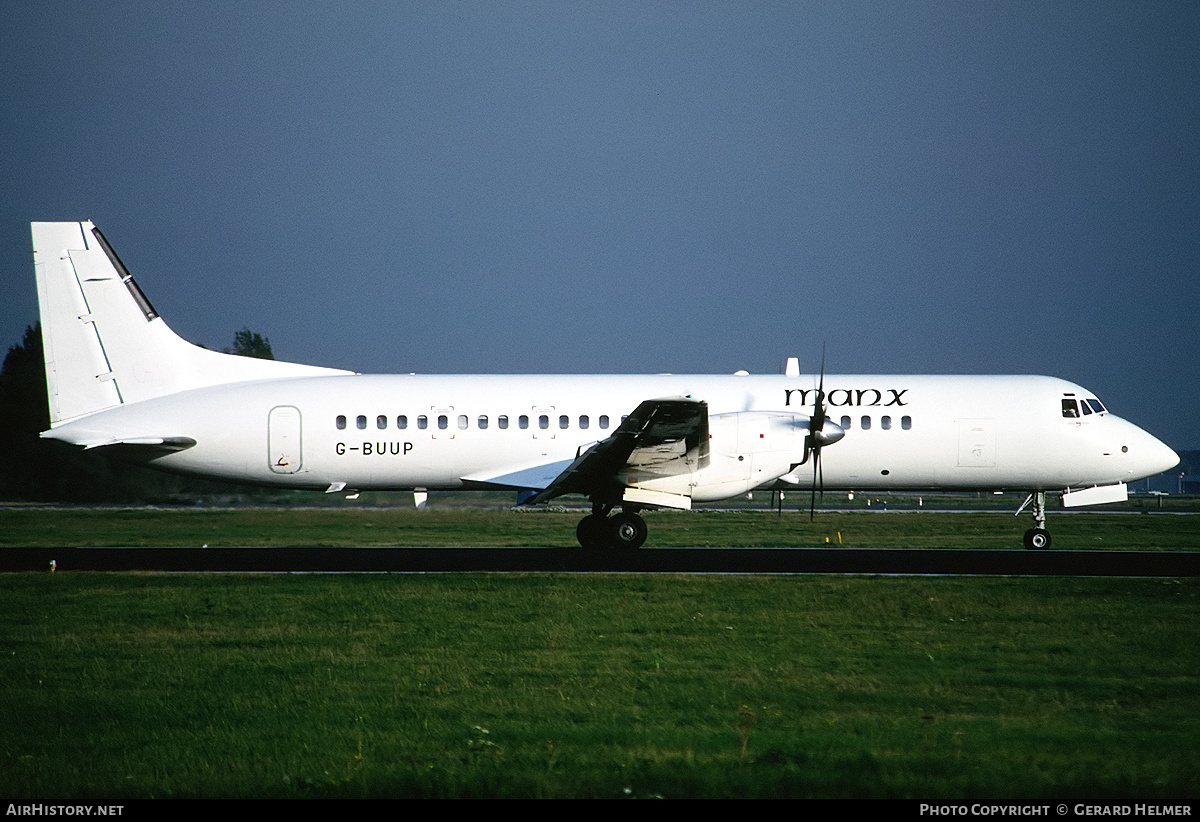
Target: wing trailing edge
point(663, 437)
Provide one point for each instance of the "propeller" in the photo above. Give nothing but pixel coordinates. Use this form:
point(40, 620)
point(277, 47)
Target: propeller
point(821, 432)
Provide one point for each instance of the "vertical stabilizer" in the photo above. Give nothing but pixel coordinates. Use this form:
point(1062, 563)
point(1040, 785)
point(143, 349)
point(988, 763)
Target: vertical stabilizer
point(105, 345)
point(78, 376)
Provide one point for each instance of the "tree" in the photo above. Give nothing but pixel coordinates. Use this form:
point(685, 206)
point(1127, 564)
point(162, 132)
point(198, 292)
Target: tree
point(32, 468)
point(247, 343)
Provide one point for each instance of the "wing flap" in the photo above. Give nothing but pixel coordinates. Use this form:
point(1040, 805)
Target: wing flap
point(531, 477)
point(662, 437)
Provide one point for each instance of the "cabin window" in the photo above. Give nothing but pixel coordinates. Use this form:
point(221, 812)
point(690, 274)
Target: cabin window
point(402, 422)
point(1070, 409)
point(523, 421)
point(462, 422)
point(502, 421)
point(443, 422)
point(422, 422)
point(583, 421)
point(564, 421)
point(845, 423)
point(543, 421)
point(483, 422)
point(361, 421)
point(865, 423)
point(906, 423)
point(885, 423)
point(341, 422)
point(381, 422)
point(604, 421)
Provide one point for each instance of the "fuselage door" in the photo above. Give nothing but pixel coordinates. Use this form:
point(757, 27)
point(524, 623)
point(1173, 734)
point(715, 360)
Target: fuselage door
point(283, 439)
point(977, 443)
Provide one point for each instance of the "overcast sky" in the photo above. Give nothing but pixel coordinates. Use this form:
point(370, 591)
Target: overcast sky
point(924, 187)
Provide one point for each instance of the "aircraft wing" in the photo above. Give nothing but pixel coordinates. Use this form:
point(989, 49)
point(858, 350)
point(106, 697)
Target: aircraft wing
point(661, 437)
point(535, 476)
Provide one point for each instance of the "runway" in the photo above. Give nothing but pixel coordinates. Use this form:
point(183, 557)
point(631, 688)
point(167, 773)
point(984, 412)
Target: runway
point(578, 560)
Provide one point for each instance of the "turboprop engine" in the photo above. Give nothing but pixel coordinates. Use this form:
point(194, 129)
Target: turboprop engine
point(744, 450)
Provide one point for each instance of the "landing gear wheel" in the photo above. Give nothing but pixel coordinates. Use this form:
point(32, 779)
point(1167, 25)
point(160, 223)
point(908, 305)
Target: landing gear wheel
point(627, 530)
point(592, 531)
point(1037, 539)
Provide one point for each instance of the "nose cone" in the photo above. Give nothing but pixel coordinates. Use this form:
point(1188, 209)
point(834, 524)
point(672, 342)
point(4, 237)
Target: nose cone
point(1161, 456)
point(1149, 455)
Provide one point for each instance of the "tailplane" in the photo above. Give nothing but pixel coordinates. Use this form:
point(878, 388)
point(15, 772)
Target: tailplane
point(105, 345)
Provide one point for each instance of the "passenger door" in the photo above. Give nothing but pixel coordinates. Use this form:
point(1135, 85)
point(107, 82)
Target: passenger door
point(283, 439)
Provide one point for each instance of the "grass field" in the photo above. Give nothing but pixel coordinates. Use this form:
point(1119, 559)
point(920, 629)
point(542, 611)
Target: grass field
point(524, 685)
point(35, 527)
point(593, 685)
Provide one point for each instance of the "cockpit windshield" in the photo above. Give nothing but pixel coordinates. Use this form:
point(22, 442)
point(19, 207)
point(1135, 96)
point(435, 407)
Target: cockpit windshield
point(1073, 409)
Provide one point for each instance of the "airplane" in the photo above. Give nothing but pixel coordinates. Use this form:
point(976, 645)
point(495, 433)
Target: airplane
point(120, 382)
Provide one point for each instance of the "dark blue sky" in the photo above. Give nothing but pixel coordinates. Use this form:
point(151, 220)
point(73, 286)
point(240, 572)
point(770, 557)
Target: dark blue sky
point(1002, 187)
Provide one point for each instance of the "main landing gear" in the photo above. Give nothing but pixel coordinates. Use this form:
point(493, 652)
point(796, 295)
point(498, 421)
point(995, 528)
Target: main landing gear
point(622, 530)
point(1037, 538)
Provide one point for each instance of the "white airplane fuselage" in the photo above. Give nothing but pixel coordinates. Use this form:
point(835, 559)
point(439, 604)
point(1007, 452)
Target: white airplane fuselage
point(121, 381)
point(921, 432)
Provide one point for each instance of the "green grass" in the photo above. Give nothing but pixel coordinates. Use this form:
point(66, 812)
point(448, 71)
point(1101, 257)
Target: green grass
point(35, 527)
point(136, 685)
point(115, 686)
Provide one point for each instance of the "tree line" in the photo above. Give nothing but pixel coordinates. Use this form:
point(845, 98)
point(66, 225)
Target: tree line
point(39, 470)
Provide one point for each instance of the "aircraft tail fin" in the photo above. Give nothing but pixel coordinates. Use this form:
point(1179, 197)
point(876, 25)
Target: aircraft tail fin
point(105, 345)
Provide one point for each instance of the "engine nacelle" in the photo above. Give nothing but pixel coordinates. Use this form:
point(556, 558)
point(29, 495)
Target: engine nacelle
point(746, 449)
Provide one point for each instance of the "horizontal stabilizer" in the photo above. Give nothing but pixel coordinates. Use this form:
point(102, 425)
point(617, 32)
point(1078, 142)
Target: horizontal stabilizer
point(136, 449)
point(155, 443)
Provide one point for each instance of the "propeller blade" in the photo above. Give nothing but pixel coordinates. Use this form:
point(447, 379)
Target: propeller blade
point(812, 509)
point(818, 417)
point(816, 427)
point(822, 482)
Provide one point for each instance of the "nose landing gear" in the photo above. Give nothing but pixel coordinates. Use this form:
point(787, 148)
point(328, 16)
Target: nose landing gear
point(1036, 538)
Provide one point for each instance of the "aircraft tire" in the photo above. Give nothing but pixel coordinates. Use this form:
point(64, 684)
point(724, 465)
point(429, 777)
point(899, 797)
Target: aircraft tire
point(1037, 539)
point(592, 531)
point(627, 531)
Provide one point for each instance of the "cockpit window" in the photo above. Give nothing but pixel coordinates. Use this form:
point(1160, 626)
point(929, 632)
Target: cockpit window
point(1070, 409)
point(1096, 405)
